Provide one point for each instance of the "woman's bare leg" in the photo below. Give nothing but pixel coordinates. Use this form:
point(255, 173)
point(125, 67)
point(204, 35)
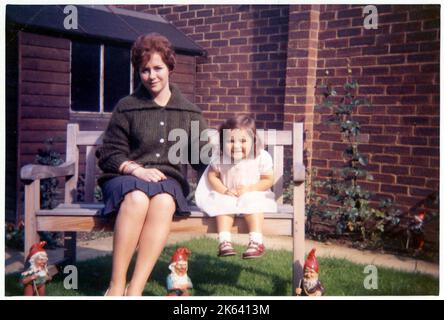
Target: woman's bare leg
point(127, 230)
point(152, 240)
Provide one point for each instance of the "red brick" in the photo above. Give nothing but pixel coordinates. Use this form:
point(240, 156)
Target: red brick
point(429, 46)
point(415, 161)
point(422, 57)
point(400, 89)
point(398, 130)
point(427, 89)
point(395, 170)
point(431, 12)
point(404, 69)
point(204, 13)
point(371, 90)
point(359, 41)
point(404, 48)
point(379, 49)
point(375, 70)
point(397, 17)
point(384, 178)
point(432, 152)
point(420, 192)
point(427, 131)
point(414, 99)
point(422, 36)
point(382, 139)
point(386, 119)
point(384, 159)
point(402, 109)
point(370, 148)
point(419, 141)
point(415, 120)
point(220, 27)
point(388, 80)
point(414, 181)
point(337, 43)
point(349, 32)
point(431, 24)
point(393, 189)
point(424, 172)
point(405, 27)
point(393, 59)
point(355, 12)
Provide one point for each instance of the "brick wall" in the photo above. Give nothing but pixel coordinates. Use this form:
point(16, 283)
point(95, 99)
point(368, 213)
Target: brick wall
point(397, 66)
point(245, 67)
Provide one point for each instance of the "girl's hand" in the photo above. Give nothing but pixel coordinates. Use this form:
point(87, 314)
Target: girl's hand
point(149, 174)
point(231, 192)
point(243, 189)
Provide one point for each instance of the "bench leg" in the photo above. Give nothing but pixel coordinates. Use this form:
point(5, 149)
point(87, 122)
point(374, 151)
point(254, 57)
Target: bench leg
point(32, 204)
point(298, 234)
point(70, 241)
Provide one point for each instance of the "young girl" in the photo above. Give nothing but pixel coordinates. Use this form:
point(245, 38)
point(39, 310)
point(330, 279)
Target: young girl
point(238, 181)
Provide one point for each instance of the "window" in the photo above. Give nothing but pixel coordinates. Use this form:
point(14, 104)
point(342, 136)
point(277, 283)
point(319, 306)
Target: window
point(100, 76)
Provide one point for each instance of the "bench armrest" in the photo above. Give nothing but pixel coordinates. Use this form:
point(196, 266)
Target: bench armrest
point(299, 173)
point(37, 171)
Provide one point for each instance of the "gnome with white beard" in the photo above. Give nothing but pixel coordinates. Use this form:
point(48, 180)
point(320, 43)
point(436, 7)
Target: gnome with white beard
point(311, 286)
point(36, 275)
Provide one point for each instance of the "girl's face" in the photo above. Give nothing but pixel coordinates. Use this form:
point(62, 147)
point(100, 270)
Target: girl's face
point(238, 143)
point(155, 75)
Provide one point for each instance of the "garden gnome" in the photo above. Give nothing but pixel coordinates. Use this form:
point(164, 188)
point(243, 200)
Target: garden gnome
point(178, 282)
point(311, 286)
point(36, 275)
point(416, 231)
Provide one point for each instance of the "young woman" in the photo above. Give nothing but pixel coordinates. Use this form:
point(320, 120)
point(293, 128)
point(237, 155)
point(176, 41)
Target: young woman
point(139, 182)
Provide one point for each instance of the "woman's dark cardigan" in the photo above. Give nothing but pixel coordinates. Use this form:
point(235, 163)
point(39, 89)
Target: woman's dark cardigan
point(138, 130)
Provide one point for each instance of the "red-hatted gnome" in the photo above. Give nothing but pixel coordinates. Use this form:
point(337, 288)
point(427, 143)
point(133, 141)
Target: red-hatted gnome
point(415, 231)
point(311, 286)
point(36, 274)
point(178, 282)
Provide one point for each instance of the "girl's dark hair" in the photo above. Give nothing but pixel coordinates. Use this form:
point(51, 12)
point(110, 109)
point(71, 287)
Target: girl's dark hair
point(146, 45)
point(243, 122)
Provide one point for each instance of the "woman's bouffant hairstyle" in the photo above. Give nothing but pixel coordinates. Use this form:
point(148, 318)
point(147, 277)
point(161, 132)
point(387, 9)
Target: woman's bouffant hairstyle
point(243, 122)
point(146, 45)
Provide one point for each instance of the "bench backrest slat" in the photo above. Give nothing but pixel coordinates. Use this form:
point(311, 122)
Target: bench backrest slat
point(274, 141)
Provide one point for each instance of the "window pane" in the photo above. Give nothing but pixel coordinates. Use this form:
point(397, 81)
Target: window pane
point(117, 75)
point(85, 73)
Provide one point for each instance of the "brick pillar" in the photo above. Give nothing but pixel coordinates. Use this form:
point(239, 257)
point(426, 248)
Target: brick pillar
point(301, 70)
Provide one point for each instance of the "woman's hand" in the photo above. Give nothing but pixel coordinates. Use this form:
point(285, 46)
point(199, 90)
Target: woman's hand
point(149, 174)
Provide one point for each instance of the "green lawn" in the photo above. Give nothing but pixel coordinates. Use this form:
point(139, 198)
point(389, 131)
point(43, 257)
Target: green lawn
point(232, 276)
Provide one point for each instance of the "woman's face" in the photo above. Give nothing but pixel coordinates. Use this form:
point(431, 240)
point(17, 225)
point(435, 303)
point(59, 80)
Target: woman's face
point(238, 143)
point(155, 75)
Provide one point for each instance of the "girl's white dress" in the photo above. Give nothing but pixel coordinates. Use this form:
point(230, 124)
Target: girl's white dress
point(245, 172)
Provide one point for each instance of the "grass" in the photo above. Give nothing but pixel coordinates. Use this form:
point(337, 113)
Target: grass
point(232, 276)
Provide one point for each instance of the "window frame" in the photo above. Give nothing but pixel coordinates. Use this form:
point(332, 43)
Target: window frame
point(101, 110)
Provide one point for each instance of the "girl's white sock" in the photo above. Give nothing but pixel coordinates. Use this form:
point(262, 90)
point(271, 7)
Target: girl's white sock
point(224, 236)
point(256, 237)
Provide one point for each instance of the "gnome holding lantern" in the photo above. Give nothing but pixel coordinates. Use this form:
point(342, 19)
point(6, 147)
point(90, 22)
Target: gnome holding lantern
point(311, 286)
point(36, 275)
point(178, 282)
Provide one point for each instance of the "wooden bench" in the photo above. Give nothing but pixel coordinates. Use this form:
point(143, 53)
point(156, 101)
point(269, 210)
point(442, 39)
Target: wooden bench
point(71, 217)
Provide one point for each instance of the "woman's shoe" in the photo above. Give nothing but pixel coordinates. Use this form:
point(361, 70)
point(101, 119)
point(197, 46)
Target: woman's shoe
point(254, 250)
point(226, 249)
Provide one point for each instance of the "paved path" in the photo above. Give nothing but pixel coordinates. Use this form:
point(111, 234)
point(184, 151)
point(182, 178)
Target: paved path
point(100, 247)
